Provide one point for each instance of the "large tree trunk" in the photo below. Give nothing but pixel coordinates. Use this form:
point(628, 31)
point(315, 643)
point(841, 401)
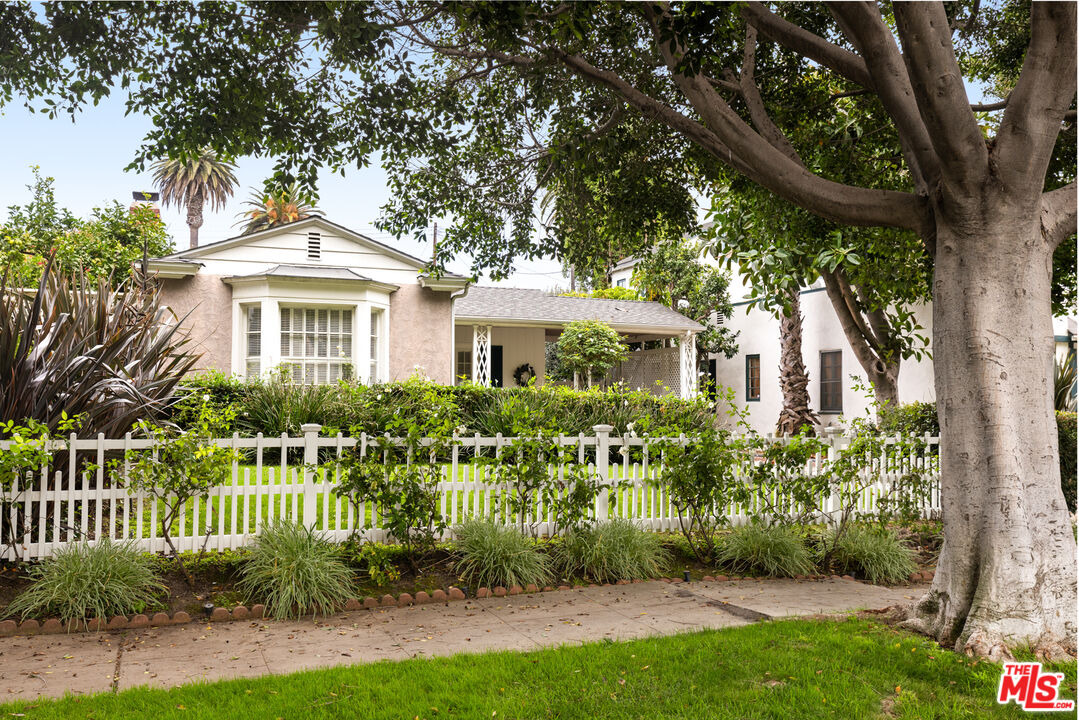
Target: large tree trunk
point(793, 379)
point(1007, 571)
point(194, 218)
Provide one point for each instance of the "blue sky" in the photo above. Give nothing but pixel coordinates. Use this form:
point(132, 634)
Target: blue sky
point(87, 159)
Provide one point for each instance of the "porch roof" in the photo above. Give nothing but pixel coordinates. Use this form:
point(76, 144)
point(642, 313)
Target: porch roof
point(537, 308)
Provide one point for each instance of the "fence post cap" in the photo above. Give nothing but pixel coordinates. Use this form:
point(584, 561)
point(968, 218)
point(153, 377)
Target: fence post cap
point(310, 427)
point(603, 428)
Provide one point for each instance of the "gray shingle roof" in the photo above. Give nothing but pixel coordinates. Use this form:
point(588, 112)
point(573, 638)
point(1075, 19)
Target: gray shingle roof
point(513, 304)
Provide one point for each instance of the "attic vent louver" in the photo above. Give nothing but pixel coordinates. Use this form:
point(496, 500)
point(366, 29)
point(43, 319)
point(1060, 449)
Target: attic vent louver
point(314, 246)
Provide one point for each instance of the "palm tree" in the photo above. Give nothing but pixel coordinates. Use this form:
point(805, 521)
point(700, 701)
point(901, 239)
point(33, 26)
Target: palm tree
point(277, 207)
point(193, 181)
point(793, 379)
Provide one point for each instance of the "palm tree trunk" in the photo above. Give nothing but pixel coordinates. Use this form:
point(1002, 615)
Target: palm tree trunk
point(793, 378)
point(194, 217)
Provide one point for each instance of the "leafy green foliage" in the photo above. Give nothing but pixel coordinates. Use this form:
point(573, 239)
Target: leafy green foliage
point(109, 356)
point(181, 465)
point(491, 554)
point(775, 551)
point(374, 559)
point(702, 477)
point(874, 554)
point(606, 293)
point(85, 581)
point(104, 246)
point(270, 407)
point(401, 483)
point(296, 571)
point(591, 348)
point(915, 419)
point(1066, 437)
point(611, 551)
point(672, 273)
point(278, 405)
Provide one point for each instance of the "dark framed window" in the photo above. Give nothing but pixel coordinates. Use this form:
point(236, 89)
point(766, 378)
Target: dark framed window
point(831, 381)
point(753, 377)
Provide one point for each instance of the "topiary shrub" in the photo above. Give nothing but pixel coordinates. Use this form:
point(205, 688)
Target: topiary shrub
point(490, 555)
point(875, 555)
point(83, 581)
point(775, 551)
point(1066, 436)
point(294, 570)
point(611, 551)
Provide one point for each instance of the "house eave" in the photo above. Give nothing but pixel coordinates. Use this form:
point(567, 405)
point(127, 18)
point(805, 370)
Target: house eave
point(340, 282)
point(172, 269)
point(670, 330)
point(443, 284)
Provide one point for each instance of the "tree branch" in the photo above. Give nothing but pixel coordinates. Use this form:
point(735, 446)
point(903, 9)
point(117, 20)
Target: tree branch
point(1040, 100)
point(755, 104)
point(1058, 213)
point(811, 46)
point(863, 25)
point(732, 141)
point(940, 92)
point(860, 337)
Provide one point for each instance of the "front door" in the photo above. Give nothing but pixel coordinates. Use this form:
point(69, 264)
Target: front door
point(496, 366)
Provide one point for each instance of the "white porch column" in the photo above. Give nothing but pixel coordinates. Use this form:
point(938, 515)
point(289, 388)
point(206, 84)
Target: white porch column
point(688, 366)
point(481, 355)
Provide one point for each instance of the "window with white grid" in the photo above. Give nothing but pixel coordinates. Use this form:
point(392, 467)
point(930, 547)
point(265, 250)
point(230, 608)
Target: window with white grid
point(253, 341)
point(316, 344)
point(376, 346)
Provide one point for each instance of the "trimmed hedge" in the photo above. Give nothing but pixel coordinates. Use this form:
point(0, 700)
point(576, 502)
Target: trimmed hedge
point(275, 406)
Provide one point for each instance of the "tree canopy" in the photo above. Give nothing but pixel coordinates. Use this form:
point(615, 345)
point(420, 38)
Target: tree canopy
point(107, 244)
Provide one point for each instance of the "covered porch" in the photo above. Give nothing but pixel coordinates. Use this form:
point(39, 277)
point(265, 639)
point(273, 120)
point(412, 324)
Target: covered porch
point(502, 338)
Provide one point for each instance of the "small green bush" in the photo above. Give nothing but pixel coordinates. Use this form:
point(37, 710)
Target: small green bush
point(875, 555)
point(490, 555)
point(916, 418)
point(775, 551)
point(294, 570)
point(83, 581)
point(611, 551)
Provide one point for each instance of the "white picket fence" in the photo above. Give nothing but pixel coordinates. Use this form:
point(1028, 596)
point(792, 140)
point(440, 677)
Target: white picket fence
point(49, 511)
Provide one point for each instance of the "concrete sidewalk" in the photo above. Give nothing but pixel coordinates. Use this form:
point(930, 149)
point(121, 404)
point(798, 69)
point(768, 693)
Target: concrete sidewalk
point(52, 665)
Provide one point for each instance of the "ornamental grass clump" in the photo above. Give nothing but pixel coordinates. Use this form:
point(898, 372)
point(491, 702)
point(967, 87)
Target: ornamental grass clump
point(873, 554)
point(611, 551)
point(83, 581)
point(490, 555)
point(294, 571)
point(774, 551)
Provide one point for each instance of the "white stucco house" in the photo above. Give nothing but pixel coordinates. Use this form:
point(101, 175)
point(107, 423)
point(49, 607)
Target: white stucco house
point(328, 303)
point(754, 372)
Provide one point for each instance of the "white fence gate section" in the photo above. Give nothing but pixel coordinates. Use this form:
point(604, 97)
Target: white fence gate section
point(281, 477)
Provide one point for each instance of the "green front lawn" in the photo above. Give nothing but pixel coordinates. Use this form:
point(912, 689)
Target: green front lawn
point(789, 669)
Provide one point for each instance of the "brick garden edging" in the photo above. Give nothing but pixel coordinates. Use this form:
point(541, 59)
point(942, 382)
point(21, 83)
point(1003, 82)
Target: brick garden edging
point(53, 626)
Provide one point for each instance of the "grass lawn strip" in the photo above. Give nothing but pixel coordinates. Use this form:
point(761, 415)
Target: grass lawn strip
point(798, 668)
